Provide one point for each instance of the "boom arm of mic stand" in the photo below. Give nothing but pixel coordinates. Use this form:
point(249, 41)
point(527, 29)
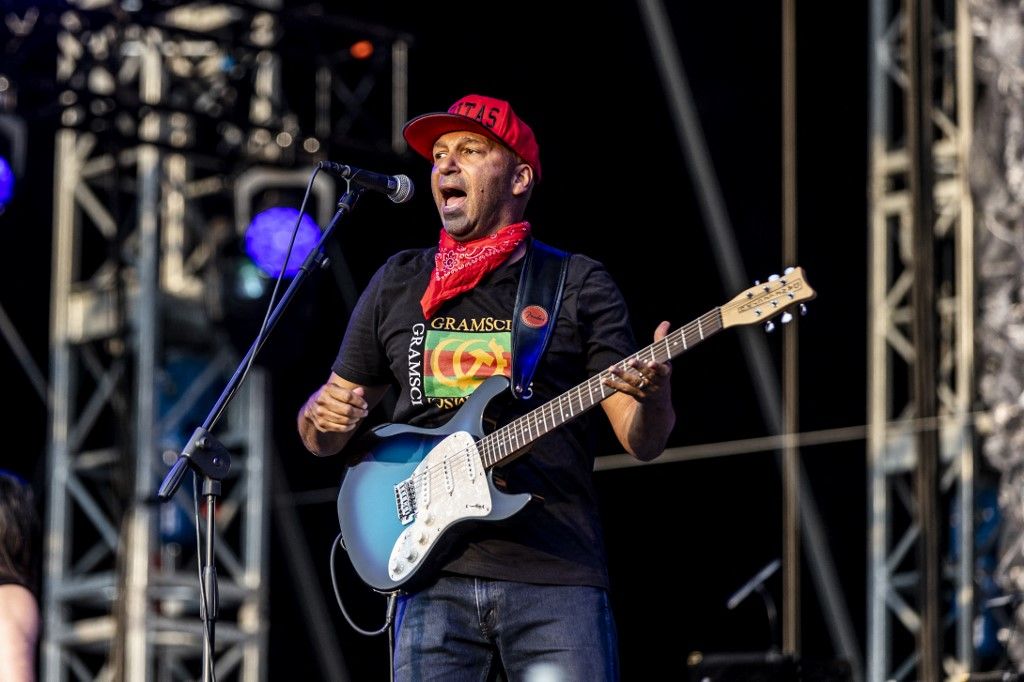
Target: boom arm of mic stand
point(756, 584)
point(752, 584)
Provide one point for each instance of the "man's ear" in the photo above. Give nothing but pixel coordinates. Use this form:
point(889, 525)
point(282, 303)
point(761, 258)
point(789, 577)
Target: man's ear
point(522, 179)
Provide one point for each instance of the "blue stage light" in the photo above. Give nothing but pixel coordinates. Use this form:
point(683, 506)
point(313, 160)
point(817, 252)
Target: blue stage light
point(6, 183)
point(268, 235)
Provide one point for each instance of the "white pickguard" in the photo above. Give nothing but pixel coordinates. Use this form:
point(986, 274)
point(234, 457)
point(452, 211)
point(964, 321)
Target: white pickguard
point(451, 485)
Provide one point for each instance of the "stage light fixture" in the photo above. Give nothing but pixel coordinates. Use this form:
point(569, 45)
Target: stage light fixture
point(268, 236)
point(264, 224)
point(6, 183)
point(13, 136)
point(362, 49)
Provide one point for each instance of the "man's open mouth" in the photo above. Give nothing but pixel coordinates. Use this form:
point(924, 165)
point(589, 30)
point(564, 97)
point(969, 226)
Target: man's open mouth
point(452, 197)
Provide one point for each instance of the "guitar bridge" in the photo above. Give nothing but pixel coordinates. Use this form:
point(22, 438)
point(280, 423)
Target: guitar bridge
point(405, 501)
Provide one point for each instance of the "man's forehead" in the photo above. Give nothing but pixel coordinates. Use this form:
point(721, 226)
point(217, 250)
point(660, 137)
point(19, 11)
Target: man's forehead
point(459, 136)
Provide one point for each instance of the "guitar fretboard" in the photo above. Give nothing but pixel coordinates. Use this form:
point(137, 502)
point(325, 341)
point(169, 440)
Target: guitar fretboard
point(509, 439)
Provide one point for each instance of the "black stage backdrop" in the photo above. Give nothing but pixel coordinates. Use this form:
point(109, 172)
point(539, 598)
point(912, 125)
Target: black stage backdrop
point(682, 536)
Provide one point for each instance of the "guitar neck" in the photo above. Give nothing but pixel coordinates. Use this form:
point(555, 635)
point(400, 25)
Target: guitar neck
point(510, 439)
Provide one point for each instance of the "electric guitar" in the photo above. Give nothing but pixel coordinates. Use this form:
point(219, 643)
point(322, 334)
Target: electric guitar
point(401, 505)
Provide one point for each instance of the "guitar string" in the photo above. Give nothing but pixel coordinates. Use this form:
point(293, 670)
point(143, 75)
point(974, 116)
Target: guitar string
point(552, 414)
point(506, 440)
point(543, 419)
point(508, 434)
point(490, 446)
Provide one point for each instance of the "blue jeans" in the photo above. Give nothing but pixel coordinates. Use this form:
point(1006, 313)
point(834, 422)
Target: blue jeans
point(469, 629)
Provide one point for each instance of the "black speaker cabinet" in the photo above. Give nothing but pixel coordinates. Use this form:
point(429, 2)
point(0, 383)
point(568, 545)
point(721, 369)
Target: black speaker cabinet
point(763, 667)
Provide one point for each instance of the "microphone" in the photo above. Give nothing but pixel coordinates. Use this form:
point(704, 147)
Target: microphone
point(398, 188)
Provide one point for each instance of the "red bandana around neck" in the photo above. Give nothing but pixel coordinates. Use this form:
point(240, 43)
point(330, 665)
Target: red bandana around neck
point(459, 266)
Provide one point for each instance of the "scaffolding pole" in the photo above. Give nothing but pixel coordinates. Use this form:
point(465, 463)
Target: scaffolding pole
point(920, 341)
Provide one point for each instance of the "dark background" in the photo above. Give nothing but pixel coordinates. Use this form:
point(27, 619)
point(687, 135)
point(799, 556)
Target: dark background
point(682, 536)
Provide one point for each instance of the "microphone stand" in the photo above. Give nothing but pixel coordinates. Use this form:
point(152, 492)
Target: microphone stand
point(756, 584)
point(210, 459)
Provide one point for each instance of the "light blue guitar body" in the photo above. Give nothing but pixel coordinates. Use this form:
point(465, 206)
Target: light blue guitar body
point(378, 542)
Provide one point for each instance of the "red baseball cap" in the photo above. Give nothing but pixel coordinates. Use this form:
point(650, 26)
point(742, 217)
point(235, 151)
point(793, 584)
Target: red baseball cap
point(479, 114)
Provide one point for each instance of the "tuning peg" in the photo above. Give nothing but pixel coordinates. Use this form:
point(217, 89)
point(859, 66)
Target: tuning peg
point(756, 282)
point(772, 278)
point(786, 318)
point(769, 326)
point(803, 309)
point(788, 270)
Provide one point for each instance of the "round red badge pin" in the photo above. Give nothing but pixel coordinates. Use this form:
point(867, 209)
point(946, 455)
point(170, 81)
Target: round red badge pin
point(534, 316)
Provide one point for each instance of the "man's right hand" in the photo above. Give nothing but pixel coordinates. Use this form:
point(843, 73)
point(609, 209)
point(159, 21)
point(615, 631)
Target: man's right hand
point(338, 405)
point(333, 412)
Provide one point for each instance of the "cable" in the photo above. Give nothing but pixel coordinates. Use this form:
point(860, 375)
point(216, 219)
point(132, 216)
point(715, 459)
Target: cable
point(273, 295)
point(337, 595)
point(205, 605)
point(392, 601)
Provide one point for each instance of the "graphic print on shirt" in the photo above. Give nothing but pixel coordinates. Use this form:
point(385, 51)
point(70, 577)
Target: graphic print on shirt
point(458, 354)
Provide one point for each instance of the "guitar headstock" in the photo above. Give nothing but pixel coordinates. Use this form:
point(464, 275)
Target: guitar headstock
point(764, 301)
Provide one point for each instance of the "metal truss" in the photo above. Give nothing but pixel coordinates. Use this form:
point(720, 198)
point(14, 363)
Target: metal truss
point(160, 105)
point(898, 620)
point(121, 598)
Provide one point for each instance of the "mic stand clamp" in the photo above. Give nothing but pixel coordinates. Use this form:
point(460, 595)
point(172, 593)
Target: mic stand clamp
point(207, 455)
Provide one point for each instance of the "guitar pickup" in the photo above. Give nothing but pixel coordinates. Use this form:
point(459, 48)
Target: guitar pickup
point(405, 501)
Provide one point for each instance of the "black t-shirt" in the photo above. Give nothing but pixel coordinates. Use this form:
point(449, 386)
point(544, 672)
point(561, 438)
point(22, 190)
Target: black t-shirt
point(435, 364)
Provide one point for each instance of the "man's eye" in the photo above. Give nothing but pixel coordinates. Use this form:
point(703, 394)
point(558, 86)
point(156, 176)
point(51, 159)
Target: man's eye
point(439, 155)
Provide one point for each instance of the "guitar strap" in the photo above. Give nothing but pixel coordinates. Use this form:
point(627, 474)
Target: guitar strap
point(538, 300)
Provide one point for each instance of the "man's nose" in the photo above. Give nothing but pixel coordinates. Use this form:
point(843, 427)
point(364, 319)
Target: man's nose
point(446, 164)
